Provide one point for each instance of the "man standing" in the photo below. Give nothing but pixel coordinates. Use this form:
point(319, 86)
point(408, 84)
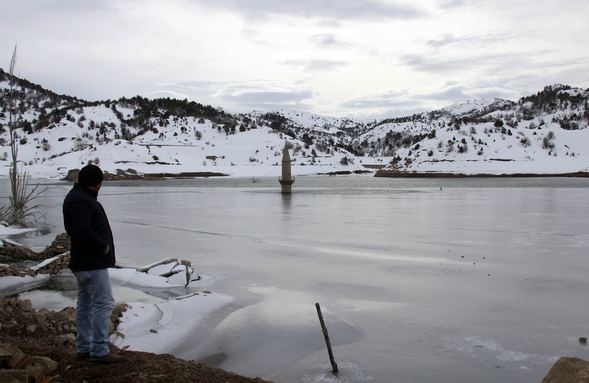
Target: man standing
point(92, 253)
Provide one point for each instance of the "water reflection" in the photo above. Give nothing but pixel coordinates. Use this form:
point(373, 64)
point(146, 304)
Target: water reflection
point(286, 202)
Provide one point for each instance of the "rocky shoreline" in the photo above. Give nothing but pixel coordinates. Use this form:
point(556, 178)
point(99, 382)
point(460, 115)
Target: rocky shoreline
point(403, 174)
point(132, 175)
point(39, 346)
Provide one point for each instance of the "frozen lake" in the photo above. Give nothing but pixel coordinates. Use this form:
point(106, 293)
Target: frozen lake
point(420, 280)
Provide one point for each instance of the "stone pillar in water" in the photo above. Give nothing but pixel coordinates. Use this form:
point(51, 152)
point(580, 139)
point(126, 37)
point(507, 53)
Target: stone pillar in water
point(287, 179)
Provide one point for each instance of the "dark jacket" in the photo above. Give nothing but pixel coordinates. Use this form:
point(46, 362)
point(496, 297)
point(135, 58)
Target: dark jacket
point(87, 225)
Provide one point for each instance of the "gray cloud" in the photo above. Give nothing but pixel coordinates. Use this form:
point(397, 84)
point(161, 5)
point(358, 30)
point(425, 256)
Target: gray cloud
point(535, 71)
point(195, 84)
point(450, 4)
point(324, 40)
point(197, 90)
point(469, 40)
point(404, 103)
point(316, 65)
point(516, 84)
point(435, 63)
point(28, 9)
point(329, 40)
point(493, 92)
point(252, 96)
point(386, 100)
point(75, 6)
point(235, 96)
point(325, 9)
point(452, 93)
point(328, 23)
point(386, 105)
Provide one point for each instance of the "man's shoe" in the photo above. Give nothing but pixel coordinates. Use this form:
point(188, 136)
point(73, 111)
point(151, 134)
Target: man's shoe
point(82, 355)
point(107, 359)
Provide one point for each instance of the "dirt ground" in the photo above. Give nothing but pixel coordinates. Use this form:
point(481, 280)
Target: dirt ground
point(51, 334)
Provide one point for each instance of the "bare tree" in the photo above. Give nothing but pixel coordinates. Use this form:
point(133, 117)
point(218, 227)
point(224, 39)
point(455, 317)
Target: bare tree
point(11, 123)
point(21, 211)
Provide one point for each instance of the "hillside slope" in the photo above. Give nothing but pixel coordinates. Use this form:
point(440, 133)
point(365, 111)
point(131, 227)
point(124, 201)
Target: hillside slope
point(545, 133)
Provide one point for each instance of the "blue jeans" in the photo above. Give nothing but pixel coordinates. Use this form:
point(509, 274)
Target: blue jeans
point(95, 304)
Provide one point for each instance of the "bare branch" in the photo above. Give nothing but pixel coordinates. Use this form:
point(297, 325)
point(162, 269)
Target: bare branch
point(21, 211)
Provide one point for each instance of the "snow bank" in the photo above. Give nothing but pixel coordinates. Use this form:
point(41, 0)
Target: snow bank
point(10, 285)
point(163, 326)
point(11, 230)
point(150, 323)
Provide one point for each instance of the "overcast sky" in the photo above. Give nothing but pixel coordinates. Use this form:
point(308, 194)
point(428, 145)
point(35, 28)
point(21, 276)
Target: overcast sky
point(332, 57)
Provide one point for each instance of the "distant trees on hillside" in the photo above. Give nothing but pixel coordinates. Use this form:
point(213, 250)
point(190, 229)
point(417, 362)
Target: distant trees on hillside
point(555, 97)
point(547, 141)
point(166, 107)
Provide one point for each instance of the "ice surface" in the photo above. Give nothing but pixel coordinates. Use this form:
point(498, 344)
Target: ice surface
point(420, 280)
point(49, 299)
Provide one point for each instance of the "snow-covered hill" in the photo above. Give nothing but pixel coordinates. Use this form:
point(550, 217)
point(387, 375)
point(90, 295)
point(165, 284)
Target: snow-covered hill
point(543, 133)
point(58, 133)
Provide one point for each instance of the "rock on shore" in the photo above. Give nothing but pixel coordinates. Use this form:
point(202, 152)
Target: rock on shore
point(568, 370)
point(39, 346)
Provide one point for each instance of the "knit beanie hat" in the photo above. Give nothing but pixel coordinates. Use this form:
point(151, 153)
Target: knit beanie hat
point(90, 175)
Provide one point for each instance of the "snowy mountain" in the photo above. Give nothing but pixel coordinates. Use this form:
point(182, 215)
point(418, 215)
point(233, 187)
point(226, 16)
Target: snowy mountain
point(543, 133)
